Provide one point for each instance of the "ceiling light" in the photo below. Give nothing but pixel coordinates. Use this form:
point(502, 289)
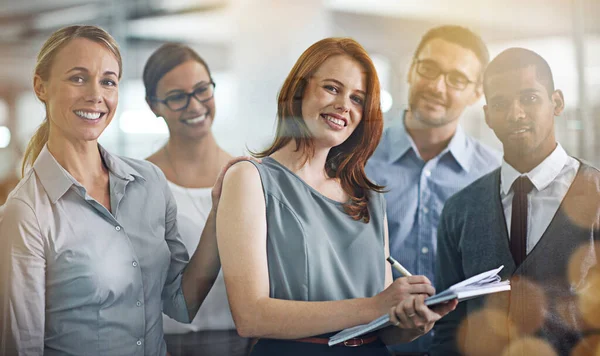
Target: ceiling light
point(386, 101)
point(4, 136)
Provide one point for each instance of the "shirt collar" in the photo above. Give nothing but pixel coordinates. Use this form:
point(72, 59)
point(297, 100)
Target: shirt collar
point(119, 167)
point(57, 181)
point(541, 176)
point(401, 142)
point(459, 149)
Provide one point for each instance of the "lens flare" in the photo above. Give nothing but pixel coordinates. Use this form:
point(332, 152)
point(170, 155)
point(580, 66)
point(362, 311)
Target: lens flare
point(526, 304)
point(567, 309)
point(485, 333)
point(582, 204)
point(587, 346)
point(589, 299)
point(581, 262)
point(528, 346)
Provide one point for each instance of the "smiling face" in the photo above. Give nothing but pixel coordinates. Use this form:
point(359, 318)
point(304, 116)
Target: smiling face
point(196, 120)
point(81, 93)
point(432, 102)
point(521, 112)
point(333, 100)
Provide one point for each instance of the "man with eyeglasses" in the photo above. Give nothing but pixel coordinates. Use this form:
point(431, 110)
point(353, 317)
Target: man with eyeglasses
point(427, 157)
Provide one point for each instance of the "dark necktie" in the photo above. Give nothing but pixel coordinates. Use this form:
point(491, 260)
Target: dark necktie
point(518, 225)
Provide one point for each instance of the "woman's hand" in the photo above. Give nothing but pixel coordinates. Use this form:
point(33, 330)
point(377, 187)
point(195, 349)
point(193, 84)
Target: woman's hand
point(217, 188)
point(401, 289)
point(415, 317)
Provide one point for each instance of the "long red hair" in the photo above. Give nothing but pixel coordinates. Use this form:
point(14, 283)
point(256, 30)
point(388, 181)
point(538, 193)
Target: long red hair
point(345, 162)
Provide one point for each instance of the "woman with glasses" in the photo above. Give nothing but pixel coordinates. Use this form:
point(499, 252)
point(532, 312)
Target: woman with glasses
point(180, 89)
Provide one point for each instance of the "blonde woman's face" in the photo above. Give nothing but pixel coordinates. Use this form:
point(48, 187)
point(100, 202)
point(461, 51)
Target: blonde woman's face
point(81, 93)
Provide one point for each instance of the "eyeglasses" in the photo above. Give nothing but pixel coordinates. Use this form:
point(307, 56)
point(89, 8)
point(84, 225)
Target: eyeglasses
point(429, 70)
point(180, 101)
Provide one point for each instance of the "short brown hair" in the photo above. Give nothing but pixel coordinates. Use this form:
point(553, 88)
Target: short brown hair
point(346, 161)
point(461, 36)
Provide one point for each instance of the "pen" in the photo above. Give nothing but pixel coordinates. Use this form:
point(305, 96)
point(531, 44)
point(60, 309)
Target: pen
point(398, 267)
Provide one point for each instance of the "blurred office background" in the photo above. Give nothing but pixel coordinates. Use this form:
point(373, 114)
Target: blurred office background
point(251, 45)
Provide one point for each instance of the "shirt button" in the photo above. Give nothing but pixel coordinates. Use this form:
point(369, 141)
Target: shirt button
point(427, 173)
point(118, 228)
point(134, 264)
point(425, 210)
point(424, 250)
point(139, 342)
point(138, 303)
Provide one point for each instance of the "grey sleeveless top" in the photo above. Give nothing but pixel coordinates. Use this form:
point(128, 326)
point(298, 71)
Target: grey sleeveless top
point(315, 251)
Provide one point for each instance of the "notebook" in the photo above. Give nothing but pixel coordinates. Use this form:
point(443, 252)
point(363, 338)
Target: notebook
point(484, 283)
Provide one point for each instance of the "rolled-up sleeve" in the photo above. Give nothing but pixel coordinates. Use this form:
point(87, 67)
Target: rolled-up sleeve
point(173, 300)
point(22, 281)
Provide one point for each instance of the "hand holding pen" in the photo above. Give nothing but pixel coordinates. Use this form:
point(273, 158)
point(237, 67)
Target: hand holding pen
point(403, 288)
point(411, 312)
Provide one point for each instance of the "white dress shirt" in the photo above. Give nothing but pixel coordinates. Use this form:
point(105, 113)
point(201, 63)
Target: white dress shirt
point(551, 180)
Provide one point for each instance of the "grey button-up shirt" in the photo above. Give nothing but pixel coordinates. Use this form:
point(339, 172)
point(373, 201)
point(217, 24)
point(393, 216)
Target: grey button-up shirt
point(78, 279)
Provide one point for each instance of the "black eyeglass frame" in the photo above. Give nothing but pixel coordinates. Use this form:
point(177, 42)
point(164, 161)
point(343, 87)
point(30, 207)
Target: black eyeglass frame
point(188, 99)
point(418, 62)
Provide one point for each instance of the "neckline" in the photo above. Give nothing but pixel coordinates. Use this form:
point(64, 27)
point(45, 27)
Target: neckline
point(559, 214)
point(268, 158)
point(541, 175)
point(189, 190)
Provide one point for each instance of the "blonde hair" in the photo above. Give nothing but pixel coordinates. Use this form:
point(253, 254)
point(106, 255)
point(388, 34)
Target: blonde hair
point(45, 58)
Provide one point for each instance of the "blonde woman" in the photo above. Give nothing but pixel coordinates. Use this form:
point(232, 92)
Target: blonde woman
point(90, 247)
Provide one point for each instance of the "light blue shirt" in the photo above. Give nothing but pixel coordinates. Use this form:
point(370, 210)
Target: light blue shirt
point(416, 193)
point(78, 279)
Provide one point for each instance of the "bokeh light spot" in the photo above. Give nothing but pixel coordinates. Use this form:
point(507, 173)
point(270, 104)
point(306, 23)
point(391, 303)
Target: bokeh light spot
point(529, 346)
point(485, 332)
point(526, 304)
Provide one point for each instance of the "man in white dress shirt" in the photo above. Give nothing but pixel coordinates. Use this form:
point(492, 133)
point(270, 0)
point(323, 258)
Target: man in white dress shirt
point(538, 215)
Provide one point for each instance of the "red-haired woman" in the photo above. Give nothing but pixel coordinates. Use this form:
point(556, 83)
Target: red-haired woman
point(302, 236)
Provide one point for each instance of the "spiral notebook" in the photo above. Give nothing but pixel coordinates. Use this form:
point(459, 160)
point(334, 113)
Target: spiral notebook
point(484, 283)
